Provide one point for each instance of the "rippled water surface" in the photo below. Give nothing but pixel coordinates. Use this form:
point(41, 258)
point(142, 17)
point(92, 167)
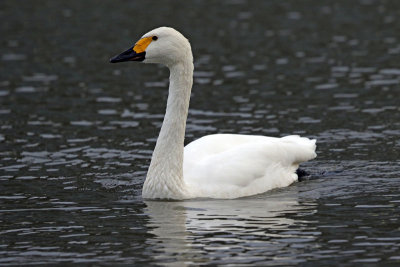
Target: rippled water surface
point(77, 133)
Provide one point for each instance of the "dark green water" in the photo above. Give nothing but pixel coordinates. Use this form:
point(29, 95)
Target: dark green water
point(77, 133)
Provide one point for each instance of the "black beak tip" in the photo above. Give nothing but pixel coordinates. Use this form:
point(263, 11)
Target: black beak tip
point(113, 59)
point(128, 55)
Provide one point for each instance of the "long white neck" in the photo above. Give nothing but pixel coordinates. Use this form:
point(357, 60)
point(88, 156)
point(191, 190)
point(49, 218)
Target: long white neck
point(165, 175)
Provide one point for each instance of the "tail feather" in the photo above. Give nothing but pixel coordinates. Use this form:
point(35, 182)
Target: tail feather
point(306, 147)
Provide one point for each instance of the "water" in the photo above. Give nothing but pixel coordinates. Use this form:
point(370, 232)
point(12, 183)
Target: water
point(77, 133)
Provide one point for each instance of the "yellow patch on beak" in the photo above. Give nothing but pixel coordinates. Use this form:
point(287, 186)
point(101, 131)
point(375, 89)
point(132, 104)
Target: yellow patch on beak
point(142, 44)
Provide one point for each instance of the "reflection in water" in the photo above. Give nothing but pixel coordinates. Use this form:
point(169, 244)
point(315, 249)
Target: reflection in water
point(234, 229)
point(168, 224)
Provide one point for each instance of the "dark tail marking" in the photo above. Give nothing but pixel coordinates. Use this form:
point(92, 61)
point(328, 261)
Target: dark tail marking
point(302, 174)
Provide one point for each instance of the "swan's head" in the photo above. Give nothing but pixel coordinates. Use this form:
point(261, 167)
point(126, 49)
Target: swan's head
point(163, 45)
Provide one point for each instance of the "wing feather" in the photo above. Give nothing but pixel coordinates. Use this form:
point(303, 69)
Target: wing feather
point(239, 160)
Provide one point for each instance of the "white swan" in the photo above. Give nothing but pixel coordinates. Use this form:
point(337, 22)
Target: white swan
point(214, 166)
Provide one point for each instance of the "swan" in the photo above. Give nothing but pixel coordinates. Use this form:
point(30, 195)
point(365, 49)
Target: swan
point(222, 166)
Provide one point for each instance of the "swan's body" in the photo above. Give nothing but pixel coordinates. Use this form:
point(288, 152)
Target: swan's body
point(214, 166)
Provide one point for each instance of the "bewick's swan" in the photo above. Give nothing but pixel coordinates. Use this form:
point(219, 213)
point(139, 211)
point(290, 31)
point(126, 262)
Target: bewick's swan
point(222, 166)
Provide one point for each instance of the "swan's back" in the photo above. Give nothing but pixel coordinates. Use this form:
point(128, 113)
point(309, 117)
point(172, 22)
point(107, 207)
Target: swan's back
point(231, 166)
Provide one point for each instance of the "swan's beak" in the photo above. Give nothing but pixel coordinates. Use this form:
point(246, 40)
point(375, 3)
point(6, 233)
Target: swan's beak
point(128, 55)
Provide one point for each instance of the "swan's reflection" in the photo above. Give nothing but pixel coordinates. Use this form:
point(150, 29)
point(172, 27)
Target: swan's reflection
point(197, 230)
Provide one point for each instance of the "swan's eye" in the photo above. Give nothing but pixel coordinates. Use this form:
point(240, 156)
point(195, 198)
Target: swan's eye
point(155, 38)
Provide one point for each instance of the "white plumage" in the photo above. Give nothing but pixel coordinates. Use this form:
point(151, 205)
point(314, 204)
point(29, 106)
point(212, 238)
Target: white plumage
point(233, 165)
point(214, 166)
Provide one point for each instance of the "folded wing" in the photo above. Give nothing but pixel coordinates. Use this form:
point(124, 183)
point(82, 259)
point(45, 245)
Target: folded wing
point(230, 166)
